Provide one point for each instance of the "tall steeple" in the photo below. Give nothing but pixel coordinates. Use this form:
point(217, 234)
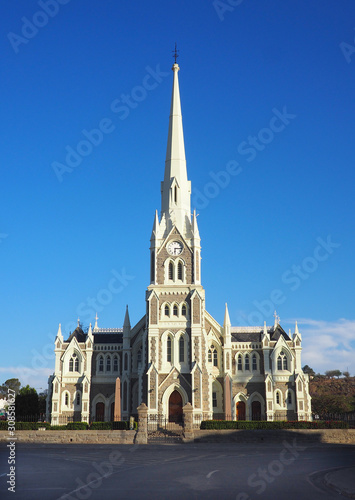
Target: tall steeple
point(176, 189)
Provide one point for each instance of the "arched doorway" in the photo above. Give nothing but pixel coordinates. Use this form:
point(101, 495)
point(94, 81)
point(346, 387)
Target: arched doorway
point(256, 410)
point(175, 407)
point(240, 410)
point(100, 412)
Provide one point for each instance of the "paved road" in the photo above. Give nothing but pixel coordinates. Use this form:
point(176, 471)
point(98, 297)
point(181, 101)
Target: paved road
point(287, 470)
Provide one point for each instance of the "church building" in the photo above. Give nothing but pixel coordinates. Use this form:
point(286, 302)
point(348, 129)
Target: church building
point(178, 353)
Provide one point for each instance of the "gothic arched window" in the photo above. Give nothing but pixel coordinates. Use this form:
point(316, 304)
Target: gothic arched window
point(254, 362)
point(279, 363)
point(78, 398)
point(126, 361)
point(171, 271)
point(278, 398)
point(183, 310)
point(108, 363)
point(139, 358)
point(66, 399)
point(215, 358)
point(209, 356)
point(168, 350)
point(175, 310)
point(180, 269)
point(115, 364)
point(240, 363)
point(181, 349)
point(167, 310)
point(247, 364)
point(76, 363)
point(282, 361)
point(101, 364)
point(71, 365)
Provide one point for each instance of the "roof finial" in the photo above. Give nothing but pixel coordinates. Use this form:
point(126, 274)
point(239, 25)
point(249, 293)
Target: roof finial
point(78, 321)
point(277, 319)
point(96, 318)
point(176, 53)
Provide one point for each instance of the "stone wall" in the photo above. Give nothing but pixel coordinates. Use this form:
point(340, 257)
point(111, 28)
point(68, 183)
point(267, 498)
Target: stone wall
point(332, 436)
point(83, 437)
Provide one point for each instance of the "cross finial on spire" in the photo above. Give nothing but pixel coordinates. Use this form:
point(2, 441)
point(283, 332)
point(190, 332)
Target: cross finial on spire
point(78, 321)
point(176, 53)
point(96, 318)
point(277, 319)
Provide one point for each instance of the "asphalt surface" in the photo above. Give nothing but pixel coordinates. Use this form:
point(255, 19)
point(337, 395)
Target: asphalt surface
point(289, 470)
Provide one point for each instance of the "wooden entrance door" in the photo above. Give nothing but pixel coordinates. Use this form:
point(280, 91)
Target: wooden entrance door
point(100, 412)
point(175, 407)
point(240, 410)
point(256, 410)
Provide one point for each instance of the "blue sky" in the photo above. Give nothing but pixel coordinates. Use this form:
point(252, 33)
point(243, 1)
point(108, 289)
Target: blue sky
point(278, 233)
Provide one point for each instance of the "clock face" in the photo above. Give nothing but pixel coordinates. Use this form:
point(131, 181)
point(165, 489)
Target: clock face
point(175, 247)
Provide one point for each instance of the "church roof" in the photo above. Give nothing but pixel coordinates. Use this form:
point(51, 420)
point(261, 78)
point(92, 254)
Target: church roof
point(246, 337)
point(108, 338)
point(78, 334)
point(279, 332)
point(254, 333)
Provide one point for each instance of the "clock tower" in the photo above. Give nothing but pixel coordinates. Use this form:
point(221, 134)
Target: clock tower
point(176, 341)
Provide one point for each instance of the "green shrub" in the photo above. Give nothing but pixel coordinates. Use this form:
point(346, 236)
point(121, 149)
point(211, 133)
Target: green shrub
point(24, 426)
point(263, 424)
point(108, 426)
point(77, 426)
point(58, 428)
point(101, 426)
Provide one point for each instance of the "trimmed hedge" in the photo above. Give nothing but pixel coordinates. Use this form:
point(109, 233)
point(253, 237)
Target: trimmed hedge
point(24, 426)
point(71, 426)
point(282, 424)
point(109, 426)
point(77, 426)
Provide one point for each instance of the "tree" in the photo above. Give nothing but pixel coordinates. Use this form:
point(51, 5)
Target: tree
point(12, 383)
point(346, 374)
point(27, 402)
point(333, 373)
point(309, 370)
point(42, 402)
point(331, 403)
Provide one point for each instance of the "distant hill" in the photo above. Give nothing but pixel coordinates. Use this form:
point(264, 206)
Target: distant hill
point(332, 394)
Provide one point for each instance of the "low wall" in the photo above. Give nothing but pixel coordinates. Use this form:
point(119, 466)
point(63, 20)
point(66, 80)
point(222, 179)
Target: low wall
point(334, 436)
point(47, 436)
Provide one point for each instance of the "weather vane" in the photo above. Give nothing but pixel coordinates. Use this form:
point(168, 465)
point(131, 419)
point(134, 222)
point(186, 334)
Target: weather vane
point(176, 53)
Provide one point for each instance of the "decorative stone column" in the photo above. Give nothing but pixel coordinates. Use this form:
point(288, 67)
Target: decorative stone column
point(142, 433)
point(117, 411)
point(188, 423)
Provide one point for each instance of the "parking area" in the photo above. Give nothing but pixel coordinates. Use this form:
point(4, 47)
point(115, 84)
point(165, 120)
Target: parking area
point(290, 469)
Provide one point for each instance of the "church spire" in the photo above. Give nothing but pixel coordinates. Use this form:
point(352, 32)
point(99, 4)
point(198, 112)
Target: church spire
point(176, 189)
